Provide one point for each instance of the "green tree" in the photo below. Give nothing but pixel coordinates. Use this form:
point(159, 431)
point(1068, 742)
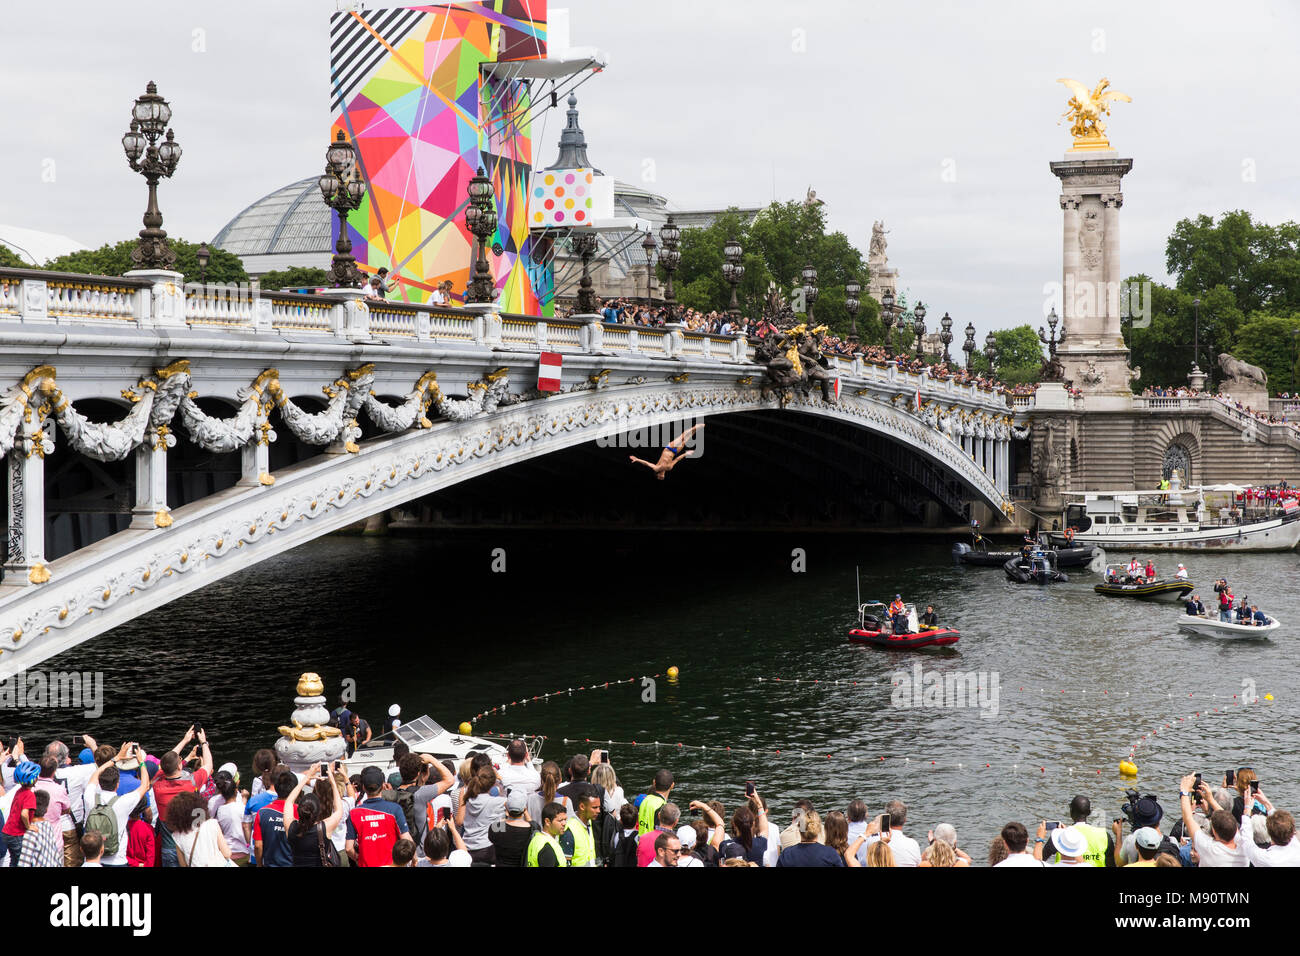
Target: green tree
point(1271, 342)
point(777, 244)
point(296, 277)
point(115, 260)
point(11, 260)
point(1163, 349)
point(1019, 356)
point(1258, 263)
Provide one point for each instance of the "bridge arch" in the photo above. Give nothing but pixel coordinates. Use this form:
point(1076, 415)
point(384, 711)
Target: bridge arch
point(136, 570)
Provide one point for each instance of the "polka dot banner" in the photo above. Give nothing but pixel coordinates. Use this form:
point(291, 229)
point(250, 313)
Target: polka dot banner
point(561, 198)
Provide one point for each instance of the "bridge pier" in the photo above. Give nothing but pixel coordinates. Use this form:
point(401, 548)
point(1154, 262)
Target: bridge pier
point(25, 481)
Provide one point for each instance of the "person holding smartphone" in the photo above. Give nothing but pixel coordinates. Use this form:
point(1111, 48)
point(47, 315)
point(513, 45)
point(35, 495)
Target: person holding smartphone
point(1284, 848)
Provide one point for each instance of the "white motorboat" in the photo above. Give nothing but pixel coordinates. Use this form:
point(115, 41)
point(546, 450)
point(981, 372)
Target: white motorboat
point(424, 735)
point(1213, 627)
point(1177, 519)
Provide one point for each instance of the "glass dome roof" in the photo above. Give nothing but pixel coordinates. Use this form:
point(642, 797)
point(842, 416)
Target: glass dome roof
point(294, 218)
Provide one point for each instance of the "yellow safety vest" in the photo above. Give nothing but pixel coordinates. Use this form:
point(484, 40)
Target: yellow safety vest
point(645, 818)
point(584, 843)
point(540, 839)
point(1095, 852)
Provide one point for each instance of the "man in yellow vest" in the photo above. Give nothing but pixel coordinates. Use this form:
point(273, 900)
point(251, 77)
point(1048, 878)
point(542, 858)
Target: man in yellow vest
point(652, 802)
point(578, 841)
point(1100, 849)
point(544, 848)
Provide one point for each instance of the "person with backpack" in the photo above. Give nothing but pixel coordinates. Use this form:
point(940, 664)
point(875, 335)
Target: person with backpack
point(107, 811)
point(625, 838)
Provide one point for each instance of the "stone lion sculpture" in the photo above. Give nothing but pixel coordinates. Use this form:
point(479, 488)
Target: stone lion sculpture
point(1234, 368)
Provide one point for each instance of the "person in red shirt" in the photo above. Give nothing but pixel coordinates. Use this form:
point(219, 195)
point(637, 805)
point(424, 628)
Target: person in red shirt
point(375, 826)
point(170, 781)
point(139, 836)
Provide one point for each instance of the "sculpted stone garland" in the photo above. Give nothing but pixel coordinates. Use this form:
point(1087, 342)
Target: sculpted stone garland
point(158, 398)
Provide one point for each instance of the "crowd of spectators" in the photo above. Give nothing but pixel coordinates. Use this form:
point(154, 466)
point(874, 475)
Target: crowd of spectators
point(119, 806)
point(1266, 418)
point(628, 312)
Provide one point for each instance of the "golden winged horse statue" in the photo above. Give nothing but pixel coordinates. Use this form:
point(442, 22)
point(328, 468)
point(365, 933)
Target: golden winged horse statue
point(1086, 108)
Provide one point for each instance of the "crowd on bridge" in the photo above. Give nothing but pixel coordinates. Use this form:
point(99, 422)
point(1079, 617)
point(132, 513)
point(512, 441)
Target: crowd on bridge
point(117, 806)
point(640, 314)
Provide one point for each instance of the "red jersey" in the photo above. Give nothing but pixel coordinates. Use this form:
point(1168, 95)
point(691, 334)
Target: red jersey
point(139, 843)
point(376, 826)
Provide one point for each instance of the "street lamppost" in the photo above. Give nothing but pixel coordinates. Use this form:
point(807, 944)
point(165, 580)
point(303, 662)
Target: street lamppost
point(991, 350)
point(584, 244)
point(852, 289)
point(202, 254)
point(969, 345)
point(732, 271)
point(887, 316)
point(648, 245)
point(481, 220)
point(670, 256)
point(342, 189)
point(809, 290)
point(1051, 341)
point(149, 117)
point(946, 336)
point(918, 326)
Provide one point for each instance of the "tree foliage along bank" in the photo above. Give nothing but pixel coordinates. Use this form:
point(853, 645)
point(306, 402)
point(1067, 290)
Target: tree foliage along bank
point(1247, 276)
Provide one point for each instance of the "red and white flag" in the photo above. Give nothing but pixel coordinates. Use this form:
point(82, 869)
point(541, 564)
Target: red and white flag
point(548, 372)
point(837, 388)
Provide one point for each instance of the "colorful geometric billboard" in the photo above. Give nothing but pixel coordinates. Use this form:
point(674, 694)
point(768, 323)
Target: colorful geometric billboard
point(409, 92)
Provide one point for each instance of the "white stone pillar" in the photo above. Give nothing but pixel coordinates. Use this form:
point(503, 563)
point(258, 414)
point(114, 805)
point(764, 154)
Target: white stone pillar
point(166, 300)
point(1112, 335)
point(150, 510)
point(1070, 269)
point(25, 478)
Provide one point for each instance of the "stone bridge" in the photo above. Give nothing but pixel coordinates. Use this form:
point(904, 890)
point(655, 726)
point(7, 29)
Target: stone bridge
point(397, 401)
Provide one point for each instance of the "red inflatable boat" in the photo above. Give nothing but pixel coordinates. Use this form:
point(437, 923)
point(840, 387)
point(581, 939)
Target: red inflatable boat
point(873, 628)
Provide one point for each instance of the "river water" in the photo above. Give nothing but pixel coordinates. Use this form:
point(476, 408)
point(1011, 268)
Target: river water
point(427, 622)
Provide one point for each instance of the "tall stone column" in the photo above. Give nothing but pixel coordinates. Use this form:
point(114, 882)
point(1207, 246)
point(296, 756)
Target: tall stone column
point(1112, 335)
point(1069, 265)
point(1092, 350)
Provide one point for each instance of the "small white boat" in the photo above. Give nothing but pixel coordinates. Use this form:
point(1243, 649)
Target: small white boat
point(424, 735)
point(1213, 627)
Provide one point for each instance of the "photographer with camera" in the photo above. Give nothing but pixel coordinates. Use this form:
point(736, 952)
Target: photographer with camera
point(1284, 847)
point(1141, 812)
point(1100, 850)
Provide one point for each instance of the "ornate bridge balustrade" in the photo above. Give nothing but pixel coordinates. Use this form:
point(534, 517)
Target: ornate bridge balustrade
point(445, 394)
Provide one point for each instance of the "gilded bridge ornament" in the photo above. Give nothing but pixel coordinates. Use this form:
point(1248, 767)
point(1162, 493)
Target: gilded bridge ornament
point(314, 732)
point(1085, 110)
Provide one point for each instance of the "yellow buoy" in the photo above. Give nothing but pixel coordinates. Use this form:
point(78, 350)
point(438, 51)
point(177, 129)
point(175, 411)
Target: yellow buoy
point(672, 673)
point(1128, 768)
point(1268, 696)
point(466, 728)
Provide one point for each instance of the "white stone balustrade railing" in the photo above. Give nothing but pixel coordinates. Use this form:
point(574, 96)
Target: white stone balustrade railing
point(220, 304)
point(91, 299)
point(164, 299)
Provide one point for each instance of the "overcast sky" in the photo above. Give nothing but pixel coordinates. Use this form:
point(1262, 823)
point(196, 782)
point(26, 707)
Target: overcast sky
point(939, 118)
